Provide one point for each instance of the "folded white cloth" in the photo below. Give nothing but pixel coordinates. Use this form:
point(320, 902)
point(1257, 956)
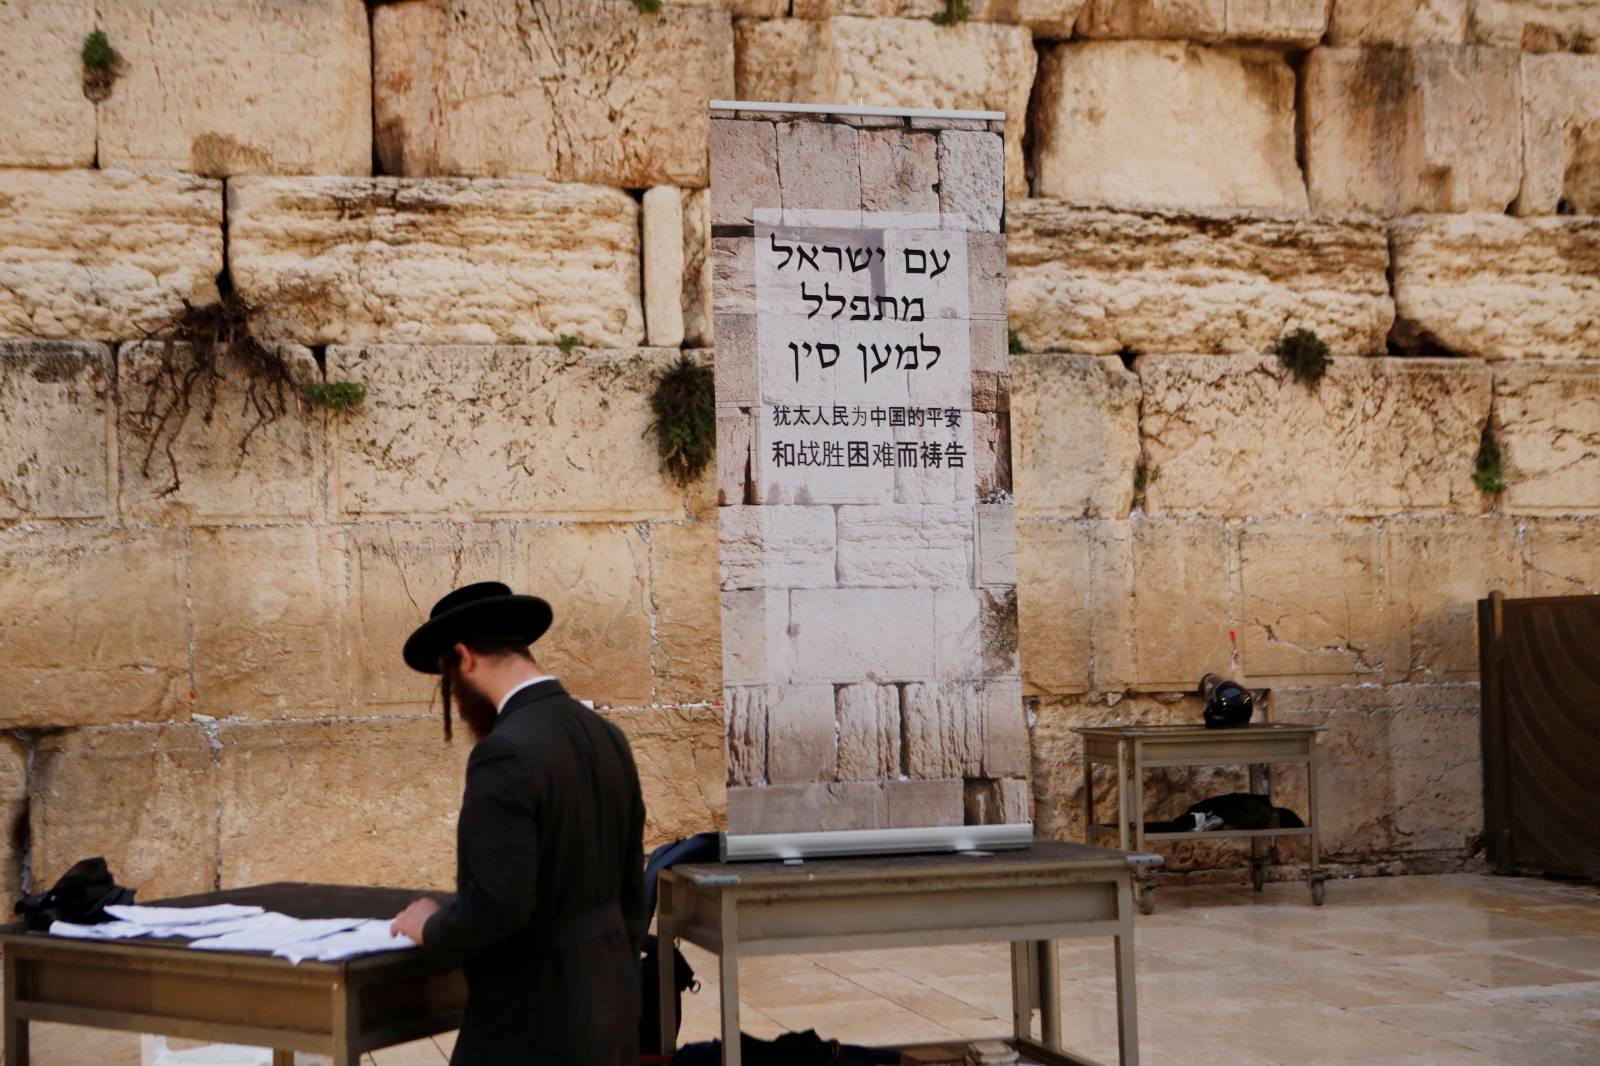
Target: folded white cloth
point(229, 927)
point(269, 932)
point(182, 915)
point(367, 938)
point(103, 931)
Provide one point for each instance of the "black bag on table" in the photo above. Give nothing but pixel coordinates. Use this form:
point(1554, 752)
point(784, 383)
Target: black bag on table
point(80, 896)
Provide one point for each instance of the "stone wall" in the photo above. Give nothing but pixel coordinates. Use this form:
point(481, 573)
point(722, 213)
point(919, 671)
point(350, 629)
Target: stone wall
point(493, 215)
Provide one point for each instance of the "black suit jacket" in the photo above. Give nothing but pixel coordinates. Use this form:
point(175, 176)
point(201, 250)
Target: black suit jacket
point(549, 913)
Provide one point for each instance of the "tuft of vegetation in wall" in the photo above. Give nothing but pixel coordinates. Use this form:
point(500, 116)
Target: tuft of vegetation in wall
point(648, 7)
point(999, 628)
point(955, 12)
point(335, 395)
point(1305, 355)
point(1014, 343)
point(101, 65)
point(1486, 471)
point(685, 424)
point(566, 342)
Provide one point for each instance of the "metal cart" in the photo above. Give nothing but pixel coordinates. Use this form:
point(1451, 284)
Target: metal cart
point(1133, 749)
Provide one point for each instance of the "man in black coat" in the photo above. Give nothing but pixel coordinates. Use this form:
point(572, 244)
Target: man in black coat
point(549, 913)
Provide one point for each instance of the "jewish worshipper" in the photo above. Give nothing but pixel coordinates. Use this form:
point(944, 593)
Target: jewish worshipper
point(549, 914)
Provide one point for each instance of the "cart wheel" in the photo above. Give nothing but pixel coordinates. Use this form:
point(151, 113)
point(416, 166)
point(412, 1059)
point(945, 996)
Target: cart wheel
point(1316, 892)
point(1147, 899)
point(1258, 875)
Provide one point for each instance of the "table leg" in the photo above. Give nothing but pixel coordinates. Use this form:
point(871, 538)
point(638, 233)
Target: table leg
point(1314, 872)
point(729, 962)
point(1021, 990)
point(16, 1033)
point(345, 1026)
point(1088, 799)
point(1049, 988)
point(280, 1057)
point(1122, 795)
point(1138, 798)
point(1257, 859)
point(1127, 1000)
point(666, 971)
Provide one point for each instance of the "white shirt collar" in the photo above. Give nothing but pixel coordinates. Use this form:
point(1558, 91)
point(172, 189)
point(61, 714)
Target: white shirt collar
point(531, 681)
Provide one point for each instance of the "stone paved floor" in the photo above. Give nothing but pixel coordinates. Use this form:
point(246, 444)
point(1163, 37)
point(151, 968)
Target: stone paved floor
point(1432, 971)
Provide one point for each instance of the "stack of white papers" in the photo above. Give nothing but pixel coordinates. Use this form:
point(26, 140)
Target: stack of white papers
point(231, 927)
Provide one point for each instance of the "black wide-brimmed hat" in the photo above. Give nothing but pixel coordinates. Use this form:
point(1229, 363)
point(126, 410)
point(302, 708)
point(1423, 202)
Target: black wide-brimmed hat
point(486, 610)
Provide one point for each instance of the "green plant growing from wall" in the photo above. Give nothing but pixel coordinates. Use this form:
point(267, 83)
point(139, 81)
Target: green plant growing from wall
point(566, 342)
point(684, 404)
point(1486, 471)
point(335, 395)
point(648, 7)
point(1304, 354)
point(1144, 475)
point(1014, 343)
point(101, 65)
point(955, 12)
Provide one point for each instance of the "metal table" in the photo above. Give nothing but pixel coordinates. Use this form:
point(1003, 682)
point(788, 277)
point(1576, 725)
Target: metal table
point(141, 985)
point(1028, 898)
point(1135, 749)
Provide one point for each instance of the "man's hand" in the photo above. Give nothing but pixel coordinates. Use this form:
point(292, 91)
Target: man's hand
point(411, 920)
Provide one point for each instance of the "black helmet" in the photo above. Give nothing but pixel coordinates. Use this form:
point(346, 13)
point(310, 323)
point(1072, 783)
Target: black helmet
point(1228, 703)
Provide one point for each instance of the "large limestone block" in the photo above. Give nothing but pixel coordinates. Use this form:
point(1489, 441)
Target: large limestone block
point(1299, 22)
point(57, 401)
point(144, 796)
point(801, 808)
point(1057, 621)
point(242, 446)
point(279, 87)
point(1393, 131)
point(1074, 435)
point(1547, 423)
point(331, 260)
point(499, 432)
point(696, 299)
point(1238, 437)
point(1402, 23)
point(1437, 571)
point(597, 579)
point(13, 813)
point(1161, 605)
point(1166, 124)
point(1498, 287)
point(46, 121)
point(802, 735)
point(679, 754)
point(1563, 557)
point(1309, 604)
point(1046, 18)
point(747, 734)
point(398, 571)
point(578, 90)
point(368, 802)
point(1537, 25)
point(845, 635)
point(268, 608)
point(943, 729)
point(95, 628)
point(1100, 282)
point(869, 732)
point(906, 545)
point(894, 63)
point(663, 265)
point(683, 589)
point(1560, 135)
point(1400, 769)
point(104, 254)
